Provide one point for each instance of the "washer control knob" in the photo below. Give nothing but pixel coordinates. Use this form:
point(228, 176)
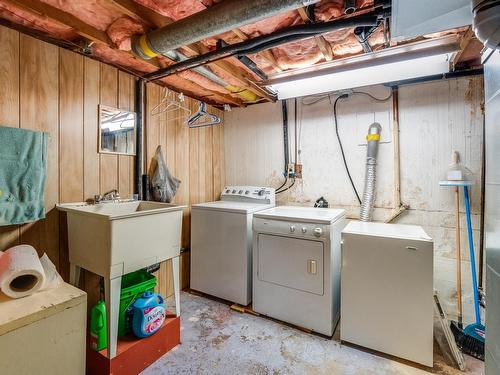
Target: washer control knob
point(292, 228)
point(234, 191)
point(262, 192)
point(304, 229)
point(318, 232)
point(247, 192)
point(240, 192)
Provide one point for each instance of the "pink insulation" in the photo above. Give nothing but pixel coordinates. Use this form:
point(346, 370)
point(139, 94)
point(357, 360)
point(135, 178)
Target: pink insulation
point(21, 17)
point(178, 84)
point(298, 54)
point(328, 9)
point(122, 29)
point(194, 77)
point(121, 58)
point(175, 9)
point(97, 13)
point(344, 42)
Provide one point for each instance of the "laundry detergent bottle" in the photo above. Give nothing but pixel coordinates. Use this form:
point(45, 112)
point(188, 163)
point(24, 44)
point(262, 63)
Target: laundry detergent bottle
point(98, 334)
point(148, 314)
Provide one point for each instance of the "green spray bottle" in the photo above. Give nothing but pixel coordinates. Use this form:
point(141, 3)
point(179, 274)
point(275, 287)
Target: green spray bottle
point(98, 327)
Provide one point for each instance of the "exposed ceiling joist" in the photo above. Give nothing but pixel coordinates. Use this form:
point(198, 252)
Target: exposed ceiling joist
point(465, 41)
point(55, 14)
point(142, 13)
point(266, 55)
point(157, 20)
point(321, 42)
point(91, 33)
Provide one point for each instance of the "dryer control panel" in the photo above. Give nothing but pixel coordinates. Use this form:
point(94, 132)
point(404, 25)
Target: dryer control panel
point(310, 231)
point(254, 194)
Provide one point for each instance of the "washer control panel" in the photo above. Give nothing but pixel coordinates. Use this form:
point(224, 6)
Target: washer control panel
point(256, 194)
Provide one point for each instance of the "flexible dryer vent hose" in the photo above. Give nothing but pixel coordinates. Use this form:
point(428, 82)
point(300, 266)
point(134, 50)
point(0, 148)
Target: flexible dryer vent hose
point(373, 140)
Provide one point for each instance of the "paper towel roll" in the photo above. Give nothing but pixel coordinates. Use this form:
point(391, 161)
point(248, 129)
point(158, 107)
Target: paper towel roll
point(21, 272)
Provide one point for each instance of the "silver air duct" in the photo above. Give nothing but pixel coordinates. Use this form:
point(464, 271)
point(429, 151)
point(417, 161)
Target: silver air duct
point(373, 140)
point(222, 17)
point(486, 22)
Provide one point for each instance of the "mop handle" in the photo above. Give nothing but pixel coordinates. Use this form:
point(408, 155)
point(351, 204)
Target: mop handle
point(472, 257)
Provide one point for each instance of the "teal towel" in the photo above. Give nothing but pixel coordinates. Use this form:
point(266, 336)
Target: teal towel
point(23, 169)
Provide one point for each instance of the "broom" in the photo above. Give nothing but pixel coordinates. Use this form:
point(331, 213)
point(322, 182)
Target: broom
point(471, 339)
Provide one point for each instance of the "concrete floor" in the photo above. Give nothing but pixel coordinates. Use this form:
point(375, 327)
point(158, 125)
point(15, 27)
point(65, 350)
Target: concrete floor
point(218, 340)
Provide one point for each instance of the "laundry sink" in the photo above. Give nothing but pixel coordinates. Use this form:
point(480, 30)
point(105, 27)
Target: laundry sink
point(115, 238)
point(111, 239)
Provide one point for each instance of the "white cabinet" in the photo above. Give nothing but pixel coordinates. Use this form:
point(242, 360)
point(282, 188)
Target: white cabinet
point(44, 333)
point(387, 289)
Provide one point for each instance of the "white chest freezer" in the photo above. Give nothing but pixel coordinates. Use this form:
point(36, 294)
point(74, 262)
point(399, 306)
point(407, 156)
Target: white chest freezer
point(387, 289)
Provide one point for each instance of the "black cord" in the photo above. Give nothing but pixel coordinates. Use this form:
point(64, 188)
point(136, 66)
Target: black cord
point(340, 144)
point(289, 187)
point(283, 184)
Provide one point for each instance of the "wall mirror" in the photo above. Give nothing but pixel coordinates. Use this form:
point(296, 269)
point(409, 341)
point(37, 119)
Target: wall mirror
point(117, 132)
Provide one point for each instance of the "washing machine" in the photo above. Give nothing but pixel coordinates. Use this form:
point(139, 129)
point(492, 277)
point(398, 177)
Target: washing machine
point(296, 265)
point(221, 242)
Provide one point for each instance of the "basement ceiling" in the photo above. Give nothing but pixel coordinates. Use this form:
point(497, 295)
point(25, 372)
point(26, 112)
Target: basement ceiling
point(103, 30)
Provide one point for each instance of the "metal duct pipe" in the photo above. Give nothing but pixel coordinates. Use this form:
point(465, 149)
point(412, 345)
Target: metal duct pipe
point(373, 139)
point(245, 94)
point(222, 17)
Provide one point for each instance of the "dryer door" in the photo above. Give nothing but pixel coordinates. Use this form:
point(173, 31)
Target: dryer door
point(291, 262)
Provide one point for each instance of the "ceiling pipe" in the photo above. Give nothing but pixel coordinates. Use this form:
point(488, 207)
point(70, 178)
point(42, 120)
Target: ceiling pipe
point(272, 40)
point(222, 17)
point(363, 34)
point(349, 6)
point(245, 94)
point(249, 63)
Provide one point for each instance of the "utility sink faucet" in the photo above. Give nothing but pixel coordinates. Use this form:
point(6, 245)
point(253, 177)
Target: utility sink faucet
point(110, 196)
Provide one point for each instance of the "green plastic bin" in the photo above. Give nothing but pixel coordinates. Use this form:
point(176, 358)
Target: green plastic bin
point(133, 286)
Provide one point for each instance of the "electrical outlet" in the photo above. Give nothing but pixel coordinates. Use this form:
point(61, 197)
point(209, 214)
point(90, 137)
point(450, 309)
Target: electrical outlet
point(294, 170)
point(348, 92)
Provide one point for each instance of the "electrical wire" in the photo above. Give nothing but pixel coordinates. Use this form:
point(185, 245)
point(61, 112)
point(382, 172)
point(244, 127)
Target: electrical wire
point(322, 97)
point(315, 99)
point(344, 96)
point(288, 188)
point(283, 184)
point(372, 96)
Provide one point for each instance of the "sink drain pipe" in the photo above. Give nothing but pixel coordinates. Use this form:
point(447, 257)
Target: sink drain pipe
point(373, 140)
point(139, 110)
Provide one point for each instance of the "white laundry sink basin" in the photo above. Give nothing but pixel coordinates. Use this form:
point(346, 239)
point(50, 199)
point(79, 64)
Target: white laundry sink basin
point(115, 238)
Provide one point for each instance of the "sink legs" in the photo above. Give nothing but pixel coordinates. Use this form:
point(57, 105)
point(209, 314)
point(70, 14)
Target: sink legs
point(112, 289)
point(175, 271)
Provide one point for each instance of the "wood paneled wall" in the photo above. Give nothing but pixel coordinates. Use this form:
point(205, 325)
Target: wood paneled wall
point(44, 87)
point(195, 156)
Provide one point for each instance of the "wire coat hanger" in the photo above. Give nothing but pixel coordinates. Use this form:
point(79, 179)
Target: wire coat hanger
point(201, 118)
point(170, 104)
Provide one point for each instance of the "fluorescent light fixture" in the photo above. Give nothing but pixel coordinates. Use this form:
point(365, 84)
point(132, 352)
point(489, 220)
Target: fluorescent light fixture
point(393, 64)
